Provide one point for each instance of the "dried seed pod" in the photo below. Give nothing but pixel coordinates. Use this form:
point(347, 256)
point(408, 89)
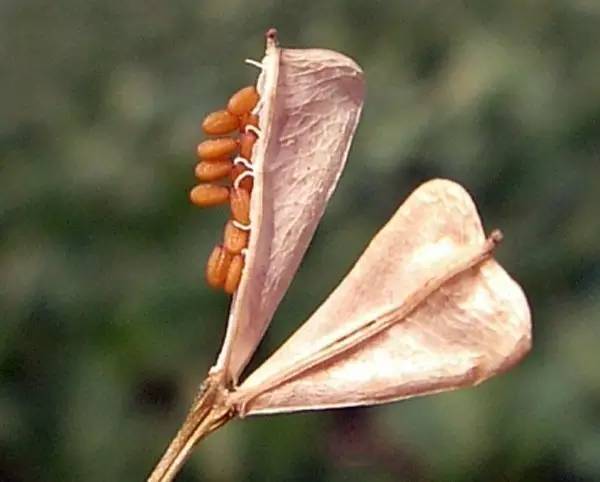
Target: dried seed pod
point(211, 171)
point(239, 201)
point(213, 149)
point(247, 141)
point(296, 167)
point(234, 273)
point(247, 182)
point(234, 239)
point(413, 298)
point(206, 195)
point(217, 267)
point(243, 101)
point(220, 122)
point(248, 120)
point(426, 295)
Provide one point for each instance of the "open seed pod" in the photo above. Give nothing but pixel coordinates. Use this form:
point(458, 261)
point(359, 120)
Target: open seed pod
point(310, 105)
point(423, 310)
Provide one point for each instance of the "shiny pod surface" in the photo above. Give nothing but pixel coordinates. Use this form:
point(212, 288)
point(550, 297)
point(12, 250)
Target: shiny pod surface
point(213, 149)
point(235, 239)
point(239, 201)
point(205, 195)
point(243, 101)
point(218, 267)
point(234, 273)
point(211, 171)
point(220, 122)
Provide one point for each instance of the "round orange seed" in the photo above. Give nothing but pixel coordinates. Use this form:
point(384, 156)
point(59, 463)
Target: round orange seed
point(211, 171)
point(243, 101)
point(247, 141)
point(217, 267)
point(247, 183)
point(239, 202)
point(220, 122)
point(216, 148)
point(248, 120)
point(205, 195)
point(234, 239)
point(234, 273)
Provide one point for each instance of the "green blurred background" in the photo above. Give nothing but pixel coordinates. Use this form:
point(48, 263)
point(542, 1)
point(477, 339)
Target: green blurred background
point(107, 326)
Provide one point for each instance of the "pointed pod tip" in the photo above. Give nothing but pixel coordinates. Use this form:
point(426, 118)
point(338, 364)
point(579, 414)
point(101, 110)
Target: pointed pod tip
point(271, 37)
point(496, 236)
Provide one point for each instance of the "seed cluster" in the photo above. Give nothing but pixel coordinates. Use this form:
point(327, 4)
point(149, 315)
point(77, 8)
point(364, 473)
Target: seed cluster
point(226, 175)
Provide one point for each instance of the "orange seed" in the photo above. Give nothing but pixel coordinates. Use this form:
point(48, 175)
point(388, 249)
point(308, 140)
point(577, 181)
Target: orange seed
point(239, 201)
point(211, 171)
point(216, 148)
point(248, 120)
point(217, 267)
point(247, 183)
point(234, 273)
point(247, 141)
point(243, 101)
point(235, 239)
point(205, 195)
point(219, 123)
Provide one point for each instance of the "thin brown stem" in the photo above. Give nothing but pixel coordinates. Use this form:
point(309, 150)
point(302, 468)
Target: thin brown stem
point(209, 412)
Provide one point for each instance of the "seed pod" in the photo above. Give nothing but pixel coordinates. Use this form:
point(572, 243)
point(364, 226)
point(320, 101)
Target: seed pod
point(219, 123)
point(439, 313)
point(483, 331)
point(235, 239)
point(296, 166)
point(211, 171)
point(206, 195)
point(247, 141)
point(234, 273)
point(213, 149)
point(217, 267)
point(247, 183)
point(248, 120)
point(239, 202)
point(243, 101)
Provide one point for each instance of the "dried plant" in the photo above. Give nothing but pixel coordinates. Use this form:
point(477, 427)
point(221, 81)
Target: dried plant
point(425, 309)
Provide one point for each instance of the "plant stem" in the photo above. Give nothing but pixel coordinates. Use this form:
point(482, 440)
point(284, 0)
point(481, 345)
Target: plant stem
point(209, 412)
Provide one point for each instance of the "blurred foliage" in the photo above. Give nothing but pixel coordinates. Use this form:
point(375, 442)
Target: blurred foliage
point(106, 324)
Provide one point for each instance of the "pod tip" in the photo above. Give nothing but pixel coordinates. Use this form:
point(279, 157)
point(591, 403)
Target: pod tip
point(272, 37)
